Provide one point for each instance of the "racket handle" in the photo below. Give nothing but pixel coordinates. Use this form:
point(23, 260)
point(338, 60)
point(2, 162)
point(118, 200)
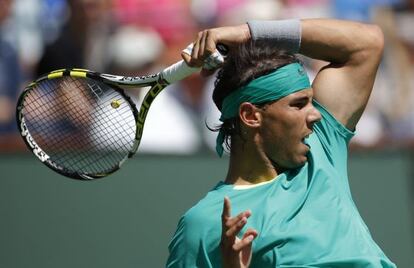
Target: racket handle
point(178, 71)
point(181, 70)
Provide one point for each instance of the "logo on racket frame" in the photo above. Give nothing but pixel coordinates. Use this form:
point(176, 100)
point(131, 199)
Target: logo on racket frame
point(36, 149)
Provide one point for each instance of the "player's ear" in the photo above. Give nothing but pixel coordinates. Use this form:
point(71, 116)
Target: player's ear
point(250, 115)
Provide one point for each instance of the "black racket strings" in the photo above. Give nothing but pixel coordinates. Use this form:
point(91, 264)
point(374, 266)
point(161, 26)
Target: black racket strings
point(104, 137)
point(101, 157)
point(56, 149)
point(81, 159)
point(69, 147)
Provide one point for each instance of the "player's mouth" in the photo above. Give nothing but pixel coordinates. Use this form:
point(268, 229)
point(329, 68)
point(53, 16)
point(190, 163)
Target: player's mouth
point(304, 139)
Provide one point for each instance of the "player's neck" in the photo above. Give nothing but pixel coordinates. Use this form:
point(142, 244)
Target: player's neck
point(249, 166)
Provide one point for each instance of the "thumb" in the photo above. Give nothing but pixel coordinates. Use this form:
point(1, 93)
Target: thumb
point(186, 57)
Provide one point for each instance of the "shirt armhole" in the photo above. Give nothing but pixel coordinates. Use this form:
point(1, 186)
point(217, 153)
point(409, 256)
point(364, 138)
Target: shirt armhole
point(333, 122)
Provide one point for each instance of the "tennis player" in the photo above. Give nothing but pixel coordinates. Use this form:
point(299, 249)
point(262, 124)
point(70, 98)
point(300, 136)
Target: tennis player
point(287, 181)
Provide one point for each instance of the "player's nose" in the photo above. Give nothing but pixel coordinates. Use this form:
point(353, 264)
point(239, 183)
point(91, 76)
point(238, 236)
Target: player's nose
point(313, 117)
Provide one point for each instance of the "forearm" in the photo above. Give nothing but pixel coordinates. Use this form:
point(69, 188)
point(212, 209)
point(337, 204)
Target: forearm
point(329, 40)
point(342, 42)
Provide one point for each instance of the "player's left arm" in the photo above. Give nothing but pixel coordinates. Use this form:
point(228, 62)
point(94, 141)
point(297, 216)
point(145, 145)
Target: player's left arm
point(353, 51)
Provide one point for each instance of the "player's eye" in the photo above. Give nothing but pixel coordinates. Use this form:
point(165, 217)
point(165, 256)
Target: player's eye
point(299, 104)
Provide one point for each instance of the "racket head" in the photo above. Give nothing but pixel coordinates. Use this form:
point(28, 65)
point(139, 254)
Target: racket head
point(78, 123)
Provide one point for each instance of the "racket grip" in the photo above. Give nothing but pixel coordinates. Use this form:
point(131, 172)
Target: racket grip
point(181, 70)
point(178, 71)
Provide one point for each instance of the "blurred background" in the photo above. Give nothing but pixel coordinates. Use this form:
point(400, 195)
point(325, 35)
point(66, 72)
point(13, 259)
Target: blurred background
point(127, 219)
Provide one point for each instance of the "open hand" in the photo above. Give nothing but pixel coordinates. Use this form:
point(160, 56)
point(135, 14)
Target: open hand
point(236, 252)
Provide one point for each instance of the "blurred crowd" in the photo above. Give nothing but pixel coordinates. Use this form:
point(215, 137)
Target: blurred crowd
point(135, 37)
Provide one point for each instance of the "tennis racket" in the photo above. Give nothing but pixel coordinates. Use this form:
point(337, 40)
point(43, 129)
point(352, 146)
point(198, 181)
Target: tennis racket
point(83, 125)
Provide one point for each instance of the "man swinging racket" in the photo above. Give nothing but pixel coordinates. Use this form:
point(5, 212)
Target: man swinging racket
point(288, 139)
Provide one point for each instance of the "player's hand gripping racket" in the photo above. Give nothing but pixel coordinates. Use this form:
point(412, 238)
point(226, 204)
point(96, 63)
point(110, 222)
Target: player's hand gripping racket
point(81, 123)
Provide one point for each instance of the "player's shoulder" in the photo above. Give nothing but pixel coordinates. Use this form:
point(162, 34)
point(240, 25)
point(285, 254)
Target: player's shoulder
point(198, 231)
point(207, 210)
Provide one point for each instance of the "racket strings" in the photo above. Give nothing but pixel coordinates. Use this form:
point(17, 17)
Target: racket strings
point(102, 158)
point(74, 123)
point(56, 113)
point(110, 119)
point(52, 140)
point(74, 162)
point(37, 113)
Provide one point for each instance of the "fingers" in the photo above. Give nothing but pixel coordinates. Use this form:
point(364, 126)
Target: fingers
point(209, 46)
point(231, 226)
point(198, 54)
point(207, 40)
point(203, 46)
point(250, 231)
point(211, 43)
point(195, 61)
point(234, 225)
point(236, 252)
point(202, 53)
point(226, 208)
point(245, 247)
point(246, 241)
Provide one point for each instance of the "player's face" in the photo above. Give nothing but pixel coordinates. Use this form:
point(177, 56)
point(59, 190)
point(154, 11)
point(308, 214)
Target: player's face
point(286, 123)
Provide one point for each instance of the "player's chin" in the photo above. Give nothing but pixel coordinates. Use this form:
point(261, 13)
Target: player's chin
point(300, 159)
point(295, 158)
point(296, 161)
point(303, 154)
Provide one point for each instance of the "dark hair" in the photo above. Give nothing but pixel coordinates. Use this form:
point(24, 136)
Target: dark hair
point(249, 61)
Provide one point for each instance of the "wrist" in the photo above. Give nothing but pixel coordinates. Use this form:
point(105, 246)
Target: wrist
point(285, 34)
point(246, 32)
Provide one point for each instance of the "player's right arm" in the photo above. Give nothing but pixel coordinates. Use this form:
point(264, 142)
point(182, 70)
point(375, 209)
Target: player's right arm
point(353, 51)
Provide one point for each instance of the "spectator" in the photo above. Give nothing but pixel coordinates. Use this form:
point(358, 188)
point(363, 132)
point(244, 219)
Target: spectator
point(306, 8)
point(83, 39)
point(10, 75)
point(357, 9)
point(389, 119)
point(399, 66)
point(170, 18)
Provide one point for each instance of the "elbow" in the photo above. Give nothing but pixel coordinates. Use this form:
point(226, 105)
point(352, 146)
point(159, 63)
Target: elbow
point(373, 44)
point(376, 39)
point(368, 45)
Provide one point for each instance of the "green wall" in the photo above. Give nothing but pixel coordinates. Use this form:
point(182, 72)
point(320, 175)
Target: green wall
point(127, 219)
